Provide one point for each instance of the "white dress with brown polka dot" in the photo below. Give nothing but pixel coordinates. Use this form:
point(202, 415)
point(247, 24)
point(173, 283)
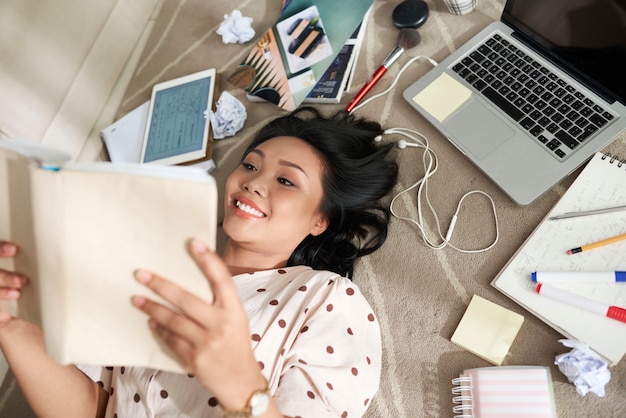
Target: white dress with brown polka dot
point(313, 333)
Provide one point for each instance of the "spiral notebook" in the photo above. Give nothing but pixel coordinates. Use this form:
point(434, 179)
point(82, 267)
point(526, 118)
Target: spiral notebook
point(504, 391)
point(601, 184)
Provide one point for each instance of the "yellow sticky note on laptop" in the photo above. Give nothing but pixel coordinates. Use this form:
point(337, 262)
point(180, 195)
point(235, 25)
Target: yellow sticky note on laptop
point(487, 330)
point(442, 97)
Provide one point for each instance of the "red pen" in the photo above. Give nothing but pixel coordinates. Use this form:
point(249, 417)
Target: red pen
point(572, 299)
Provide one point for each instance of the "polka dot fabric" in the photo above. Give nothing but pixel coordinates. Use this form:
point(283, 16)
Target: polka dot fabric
point(314, 335)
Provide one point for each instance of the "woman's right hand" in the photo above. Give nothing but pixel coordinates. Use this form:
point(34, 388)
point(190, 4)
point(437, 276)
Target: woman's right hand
point(11, 283)
point(23, 347)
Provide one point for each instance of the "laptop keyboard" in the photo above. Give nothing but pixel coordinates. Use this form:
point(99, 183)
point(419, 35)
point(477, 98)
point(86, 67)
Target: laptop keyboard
point(551, 110)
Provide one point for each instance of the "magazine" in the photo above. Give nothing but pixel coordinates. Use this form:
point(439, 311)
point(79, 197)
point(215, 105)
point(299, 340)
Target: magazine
point(289, 59)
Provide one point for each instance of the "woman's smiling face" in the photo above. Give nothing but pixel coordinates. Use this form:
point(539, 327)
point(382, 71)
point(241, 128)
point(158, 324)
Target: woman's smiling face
point(273, 198)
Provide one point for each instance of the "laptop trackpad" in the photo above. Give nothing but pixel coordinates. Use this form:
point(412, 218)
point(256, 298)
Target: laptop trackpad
point(482, 130)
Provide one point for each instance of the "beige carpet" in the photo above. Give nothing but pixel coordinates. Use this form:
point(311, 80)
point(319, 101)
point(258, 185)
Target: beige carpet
point(419, 294)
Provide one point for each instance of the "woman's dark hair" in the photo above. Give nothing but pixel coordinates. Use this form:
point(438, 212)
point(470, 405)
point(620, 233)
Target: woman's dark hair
point(357, 175)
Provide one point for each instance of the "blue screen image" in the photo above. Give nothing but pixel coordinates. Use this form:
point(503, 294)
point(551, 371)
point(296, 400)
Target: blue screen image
point(178, 120)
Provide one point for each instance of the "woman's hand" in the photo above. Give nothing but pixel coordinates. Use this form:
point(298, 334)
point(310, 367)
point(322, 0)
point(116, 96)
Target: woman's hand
point(11, 283)
point(212, 341)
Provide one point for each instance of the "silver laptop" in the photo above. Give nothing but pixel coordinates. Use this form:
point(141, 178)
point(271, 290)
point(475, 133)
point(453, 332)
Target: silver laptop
point(532, 96)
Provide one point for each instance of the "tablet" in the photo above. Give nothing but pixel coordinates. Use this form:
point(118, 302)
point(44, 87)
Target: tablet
point(177, 129)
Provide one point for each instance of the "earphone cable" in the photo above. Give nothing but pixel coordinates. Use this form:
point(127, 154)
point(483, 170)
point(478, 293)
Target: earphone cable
point(430, 164)
point(395, 80)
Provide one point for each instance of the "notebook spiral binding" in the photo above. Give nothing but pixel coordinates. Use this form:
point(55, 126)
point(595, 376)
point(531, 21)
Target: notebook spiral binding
point(463, 406)
point(612, 158)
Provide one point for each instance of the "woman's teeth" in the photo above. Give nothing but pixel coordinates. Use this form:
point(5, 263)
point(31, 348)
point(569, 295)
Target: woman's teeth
point(249, 209)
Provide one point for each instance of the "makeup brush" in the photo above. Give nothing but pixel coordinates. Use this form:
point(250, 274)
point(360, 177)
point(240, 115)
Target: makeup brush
point(407, 39)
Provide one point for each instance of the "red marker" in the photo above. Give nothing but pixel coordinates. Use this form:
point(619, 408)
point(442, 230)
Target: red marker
point(582, 302)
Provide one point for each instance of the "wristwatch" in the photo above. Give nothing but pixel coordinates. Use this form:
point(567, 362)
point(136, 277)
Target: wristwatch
point(257, 405)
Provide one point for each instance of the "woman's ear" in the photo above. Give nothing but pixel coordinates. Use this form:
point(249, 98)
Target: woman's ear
point(320, 225)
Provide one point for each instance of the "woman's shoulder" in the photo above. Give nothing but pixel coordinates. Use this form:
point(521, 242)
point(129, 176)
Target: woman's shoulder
point(317, 278)
point(329, 287)
point(295, 273)
point(300, 284)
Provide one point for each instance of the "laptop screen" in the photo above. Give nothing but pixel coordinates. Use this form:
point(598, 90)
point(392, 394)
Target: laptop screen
point(586, 37)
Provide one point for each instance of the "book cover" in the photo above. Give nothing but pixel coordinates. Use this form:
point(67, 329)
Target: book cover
point(331, 86)
point(336, 80)
point(293, 55)
point(504, 391)
point(83, 229)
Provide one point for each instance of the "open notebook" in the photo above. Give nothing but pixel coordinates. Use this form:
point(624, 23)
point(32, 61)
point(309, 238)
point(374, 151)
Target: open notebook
point(600, 185)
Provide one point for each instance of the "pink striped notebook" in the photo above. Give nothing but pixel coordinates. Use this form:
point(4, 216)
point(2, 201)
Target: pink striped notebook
point(504, 391)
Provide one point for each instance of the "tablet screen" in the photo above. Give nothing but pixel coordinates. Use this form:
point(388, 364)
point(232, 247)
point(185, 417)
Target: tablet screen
point(177, 124)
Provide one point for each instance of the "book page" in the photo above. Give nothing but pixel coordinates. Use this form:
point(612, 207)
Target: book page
point(600, 185)
point(16, 225)
point(108, 224)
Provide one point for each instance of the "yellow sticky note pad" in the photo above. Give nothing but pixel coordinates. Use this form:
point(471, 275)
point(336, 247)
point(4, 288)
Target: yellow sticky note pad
point(487, 330)
point(442, 97)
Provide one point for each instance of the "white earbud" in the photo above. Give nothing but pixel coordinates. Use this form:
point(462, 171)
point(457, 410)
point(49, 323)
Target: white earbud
point(379, 138)
point(403, 144)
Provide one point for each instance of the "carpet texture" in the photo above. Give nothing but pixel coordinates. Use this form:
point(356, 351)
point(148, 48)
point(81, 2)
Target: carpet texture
point(419, 294)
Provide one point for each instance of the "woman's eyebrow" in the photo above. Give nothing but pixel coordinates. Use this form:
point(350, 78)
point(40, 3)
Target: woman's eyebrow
point(258, 152)
point(281, 162)
point(294, 165)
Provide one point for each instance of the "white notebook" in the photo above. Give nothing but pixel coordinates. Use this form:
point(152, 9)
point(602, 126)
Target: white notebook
point(601, 184)
point(124, 137)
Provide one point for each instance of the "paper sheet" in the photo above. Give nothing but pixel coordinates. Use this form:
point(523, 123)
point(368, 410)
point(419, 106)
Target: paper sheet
point(442, 97)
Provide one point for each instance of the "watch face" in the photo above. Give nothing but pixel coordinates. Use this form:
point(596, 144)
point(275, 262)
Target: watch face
point(259, 403)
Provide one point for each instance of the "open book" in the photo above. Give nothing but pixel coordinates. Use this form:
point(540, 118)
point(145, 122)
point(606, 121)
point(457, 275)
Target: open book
point(83, 228)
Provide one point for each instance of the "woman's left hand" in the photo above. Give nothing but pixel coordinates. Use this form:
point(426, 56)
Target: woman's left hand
point(212, 341)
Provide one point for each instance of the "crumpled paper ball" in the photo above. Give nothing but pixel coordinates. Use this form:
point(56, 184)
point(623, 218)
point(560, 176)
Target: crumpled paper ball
point(584, 368)
point(236, 28)
point(229, 116)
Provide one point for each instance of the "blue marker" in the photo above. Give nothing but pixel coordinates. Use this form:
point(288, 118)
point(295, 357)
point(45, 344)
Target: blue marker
point(578, 276)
